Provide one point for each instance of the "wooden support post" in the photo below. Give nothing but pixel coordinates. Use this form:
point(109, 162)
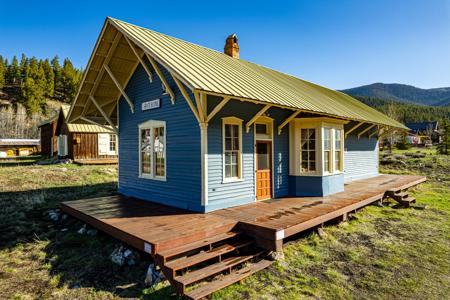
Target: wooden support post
point(161, 76)
point(344, 217)
point(365, 130)
point(217, 108)
point(289, 119)
point(255, 117)
point(353, 128)
point(141, 61)
point(186, 97)
point(130, 103)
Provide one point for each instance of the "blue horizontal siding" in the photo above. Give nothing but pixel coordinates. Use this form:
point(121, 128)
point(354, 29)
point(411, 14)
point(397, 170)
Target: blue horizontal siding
point(227, 194)
point(360, 157)
point(183, 186)
point(316, 186)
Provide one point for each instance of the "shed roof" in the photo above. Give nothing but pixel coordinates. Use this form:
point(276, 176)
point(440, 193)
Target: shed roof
point(19, 142)
point(207, 70)
point(422, 126)
point(88, 128)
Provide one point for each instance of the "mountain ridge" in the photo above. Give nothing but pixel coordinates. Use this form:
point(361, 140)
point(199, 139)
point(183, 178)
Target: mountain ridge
point(403, 93)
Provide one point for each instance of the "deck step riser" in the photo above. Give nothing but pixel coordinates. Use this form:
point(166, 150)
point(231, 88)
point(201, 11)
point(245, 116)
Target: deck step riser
point(203, 256)
point(227, 280)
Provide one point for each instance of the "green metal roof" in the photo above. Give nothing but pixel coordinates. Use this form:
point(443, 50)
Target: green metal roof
point(208, 70)
point(89, 128)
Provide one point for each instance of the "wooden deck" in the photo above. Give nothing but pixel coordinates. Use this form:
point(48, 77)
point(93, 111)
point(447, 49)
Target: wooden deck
point(193, 248)
point(96, 161)
point(154, 227)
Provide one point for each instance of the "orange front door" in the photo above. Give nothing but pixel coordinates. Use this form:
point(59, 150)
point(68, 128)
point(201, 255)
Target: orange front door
point(263, 170)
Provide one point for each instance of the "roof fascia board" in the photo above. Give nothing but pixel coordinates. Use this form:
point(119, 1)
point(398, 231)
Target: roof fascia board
point(91, 58)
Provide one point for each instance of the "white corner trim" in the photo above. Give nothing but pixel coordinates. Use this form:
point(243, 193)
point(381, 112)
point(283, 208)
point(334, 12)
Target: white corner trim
point(279, 235)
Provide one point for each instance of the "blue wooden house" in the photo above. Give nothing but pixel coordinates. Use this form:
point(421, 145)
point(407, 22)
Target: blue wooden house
point(204, 130)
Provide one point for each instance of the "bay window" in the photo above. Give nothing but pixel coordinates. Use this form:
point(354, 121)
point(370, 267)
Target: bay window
point(316, 146)
point(152, 150)
point(232, 149)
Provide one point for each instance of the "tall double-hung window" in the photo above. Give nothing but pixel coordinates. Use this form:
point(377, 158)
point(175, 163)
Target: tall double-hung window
point(308, 150)
point(232, 149)
point(152, 150)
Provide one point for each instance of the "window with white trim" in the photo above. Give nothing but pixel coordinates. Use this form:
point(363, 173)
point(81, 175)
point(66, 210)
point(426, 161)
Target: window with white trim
point(112, 143)
point(308, 150)
point(152, 150)
point(316, 146)
point(232, 149)
point(327, 150)
point(338, 147)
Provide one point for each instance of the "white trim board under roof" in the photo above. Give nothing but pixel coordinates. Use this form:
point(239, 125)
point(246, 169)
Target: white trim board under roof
point(212, 72)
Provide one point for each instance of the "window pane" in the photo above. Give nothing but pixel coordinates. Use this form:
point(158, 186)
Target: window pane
point(304, 155)
point(312, 165)
point(263, 158)
point(312, 155)
point(234, 158)
point(304, 134)
point(304, 145)
point(236, 143)
point(326, 161)
point(146, 163)
point(261, 128)
point(227, 130)
point(337, 160)
point(337, 135)
point(227, 171)
point(234, 171)
point(312, 134)
point(227, 158)
point(228, 144)
point(312, 145)
point(235, 130)
point(304, 166)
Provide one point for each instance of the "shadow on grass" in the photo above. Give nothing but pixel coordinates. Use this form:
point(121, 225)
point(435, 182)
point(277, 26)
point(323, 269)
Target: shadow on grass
point(78, 261)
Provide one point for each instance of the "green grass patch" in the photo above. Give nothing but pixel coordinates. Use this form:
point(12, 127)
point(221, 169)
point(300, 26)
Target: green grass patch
point(381, 253)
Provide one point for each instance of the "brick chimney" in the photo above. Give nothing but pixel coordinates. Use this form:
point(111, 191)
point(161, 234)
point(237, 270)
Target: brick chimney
point(231, 46)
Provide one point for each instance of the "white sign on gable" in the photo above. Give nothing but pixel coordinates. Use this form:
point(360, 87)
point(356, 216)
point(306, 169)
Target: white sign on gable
point(152, 104)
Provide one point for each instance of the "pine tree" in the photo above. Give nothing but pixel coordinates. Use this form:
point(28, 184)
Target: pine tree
point(57, 74)
point(14, 75)
point(23, 65)
point(444, 146)
point(33, 86)
point(2, 73)
point(70, 78)
point(49, 78)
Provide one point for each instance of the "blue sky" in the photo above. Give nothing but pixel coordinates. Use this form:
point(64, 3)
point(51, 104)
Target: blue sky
point(339, 44)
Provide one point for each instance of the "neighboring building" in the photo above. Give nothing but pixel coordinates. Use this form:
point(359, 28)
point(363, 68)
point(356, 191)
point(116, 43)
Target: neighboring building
point(203, 130)
point(18, 147)
point(422, 133)
point(77, 141)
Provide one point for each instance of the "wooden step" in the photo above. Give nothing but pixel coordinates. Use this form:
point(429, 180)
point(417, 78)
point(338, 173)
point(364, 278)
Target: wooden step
point(226, 264)
point(235, 276)
point(407, 201)
point(399, 195)
point(188, 261)
point(166, 254)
